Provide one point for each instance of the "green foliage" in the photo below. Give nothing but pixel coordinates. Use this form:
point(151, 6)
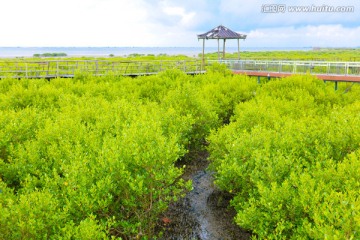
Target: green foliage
point(227, 91)
point(290, 157)
point(50, 55)
point(314, 55)
point(218, 68)
point(94, 157)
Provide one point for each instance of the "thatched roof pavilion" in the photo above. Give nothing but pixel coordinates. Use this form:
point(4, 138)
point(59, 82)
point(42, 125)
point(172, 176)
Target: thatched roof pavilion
point(224, 33)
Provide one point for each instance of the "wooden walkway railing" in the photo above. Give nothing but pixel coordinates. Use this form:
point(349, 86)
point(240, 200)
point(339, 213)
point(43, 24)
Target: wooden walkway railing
point(332, 71)
point(328, 71)
point(295, 67)
point(68, 68)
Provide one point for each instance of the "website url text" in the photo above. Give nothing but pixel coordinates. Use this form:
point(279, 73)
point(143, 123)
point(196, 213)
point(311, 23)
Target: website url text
point(282, 8)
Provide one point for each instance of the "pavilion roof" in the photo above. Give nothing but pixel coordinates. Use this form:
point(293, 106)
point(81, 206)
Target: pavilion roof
point(221, 32)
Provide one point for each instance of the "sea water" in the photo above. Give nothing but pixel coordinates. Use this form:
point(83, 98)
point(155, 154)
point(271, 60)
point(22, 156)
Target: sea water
point(12, 52)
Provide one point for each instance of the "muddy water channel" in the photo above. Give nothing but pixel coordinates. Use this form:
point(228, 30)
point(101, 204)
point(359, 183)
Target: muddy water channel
point(203, 213)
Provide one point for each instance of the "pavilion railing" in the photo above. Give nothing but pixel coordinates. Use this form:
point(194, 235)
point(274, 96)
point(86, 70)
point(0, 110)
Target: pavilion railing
point(294, 67)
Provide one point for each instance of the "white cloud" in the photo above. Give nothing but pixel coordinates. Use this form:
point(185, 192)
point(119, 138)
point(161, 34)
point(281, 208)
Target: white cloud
point(250, 15)
point(308, 36)
point(75, 23)
point(185, 18)
point(169, 23)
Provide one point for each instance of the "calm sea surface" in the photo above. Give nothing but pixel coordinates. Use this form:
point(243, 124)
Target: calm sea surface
point(10, 52)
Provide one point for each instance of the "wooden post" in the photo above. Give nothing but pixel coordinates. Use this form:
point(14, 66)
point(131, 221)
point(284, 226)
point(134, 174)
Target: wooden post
point(238, 49)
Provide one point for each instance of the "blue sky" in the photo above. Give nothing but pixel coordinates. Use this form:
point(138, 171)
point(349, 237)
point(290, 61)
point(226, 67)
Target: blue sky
point(160, 23)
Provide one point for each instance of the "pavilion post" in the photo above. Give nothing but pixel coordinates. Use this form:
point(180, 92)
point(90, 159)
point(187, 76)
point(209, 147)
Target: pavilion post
point(218, 40)
point(224, 49)
point(238, 49)
point(203, 55)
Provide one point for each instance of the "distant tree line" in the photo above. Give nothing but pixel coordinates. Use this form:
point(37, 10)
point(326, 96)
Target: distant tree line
point(50, 55)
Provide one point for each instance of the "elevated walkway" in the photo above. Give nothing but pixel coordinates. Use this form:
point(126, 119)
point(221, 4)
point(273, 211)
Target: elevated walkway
point(48, 69)
point(327, 71)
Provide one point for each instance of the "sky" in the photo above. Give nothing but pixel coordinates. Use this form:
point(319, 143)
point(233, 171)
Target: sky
point(176, 23)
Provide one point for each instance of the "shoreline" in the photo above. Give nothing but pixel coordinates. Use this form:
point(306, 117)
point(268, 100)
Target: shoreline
point(18, 52)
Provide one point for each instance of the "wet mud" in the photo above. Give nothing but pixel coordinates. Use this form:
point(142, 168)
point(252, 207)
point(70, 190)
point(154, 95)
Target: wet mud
point(204, 213)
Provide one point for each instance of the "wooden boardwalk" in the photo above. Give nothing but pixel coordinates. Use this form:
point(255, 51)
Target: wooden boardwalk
point(48, 69)
point(327, 71)
point(339, 78)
